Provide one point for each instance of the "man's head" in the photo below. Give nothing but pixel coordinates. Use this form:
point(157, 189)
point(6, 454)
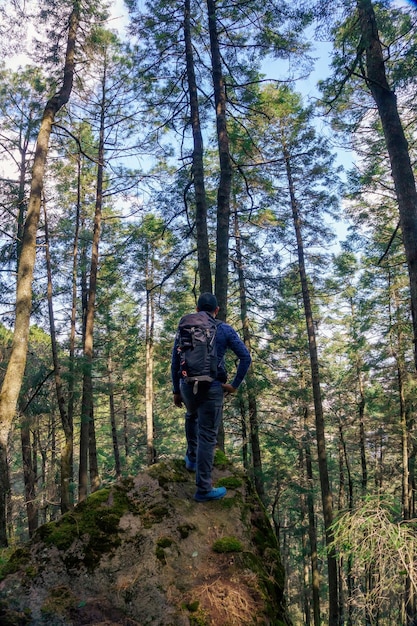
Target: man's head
point(207, 302)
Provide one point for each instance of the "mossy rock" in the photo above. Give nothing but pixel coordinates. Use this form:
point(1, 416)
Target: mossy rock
point(154, 514)
point(169, 472)
point(230, 482)
point(227, 544)
point(9, 617)
point(17, 561)
point(60, 601)
point(95, 522)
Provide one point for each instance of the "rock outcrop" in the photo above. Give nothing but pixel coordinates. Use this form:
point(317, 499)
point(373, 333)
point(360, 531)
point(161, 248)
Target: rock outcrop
point(143, 552)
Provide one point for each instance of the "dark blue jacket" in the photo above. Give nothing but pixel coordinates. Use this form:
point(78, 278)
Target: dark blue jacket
point(226, 338)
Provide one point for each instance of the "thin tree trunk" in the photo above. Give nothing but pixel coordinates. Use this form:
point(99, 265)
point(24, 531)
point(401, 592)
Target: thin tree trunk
point(29, 477)
point(361, 414)
point(312, 529)
point(113, 417)
point(150, 322)
point(401, 167)
point(250, 379)
point(306, 593)
point(327, 499)
point(16, 366)
point(125, 429)
point(92, 451)
point(203, 251)
point(66, 474)
point(225, 184)
point(349, 576)
point(397, 351)
point(87, 433)
point(243, 420)
point(67, 452)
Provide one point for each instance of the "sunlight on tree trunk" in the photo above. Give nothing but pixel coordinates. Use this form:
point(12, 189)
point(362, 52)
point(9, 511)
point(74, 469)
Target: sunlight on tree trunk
point(16, 366)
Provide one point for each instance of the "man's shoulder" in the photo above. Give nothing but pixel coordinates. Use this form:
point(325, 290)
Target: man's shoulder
point(225, 328)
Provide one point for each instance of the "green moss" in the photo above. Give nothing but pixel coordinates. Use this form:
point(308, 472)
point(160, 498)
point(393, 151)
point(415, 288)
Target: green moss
point(185, 529)
point(59, 601)
point(192, 606)
point(227, 544)
point(160, 555)
point(230, 482)
point(199, 618)
point(169, 472)
point(95, 522)
point(228, 503)
point(164, 542)
point(220, 460)
point(16, 561)
point(153, 514)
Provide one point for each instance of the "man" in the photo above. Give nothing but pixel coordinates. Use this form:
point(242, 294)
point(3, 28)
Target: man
point(204, 403)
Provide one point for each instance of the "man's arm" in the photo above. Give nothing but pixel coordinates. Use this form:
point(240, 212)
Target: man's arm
point(175, 375)
point(237, 346)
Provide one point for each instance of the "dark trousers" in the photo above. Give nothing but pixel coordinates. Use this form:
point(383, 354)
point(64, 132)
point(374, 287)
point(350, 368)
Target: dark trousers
point(202, 421)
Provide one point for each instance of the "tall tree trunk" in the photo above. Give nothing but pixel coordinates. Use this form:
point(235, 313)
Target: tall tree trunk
point(125, 426)
point(16, 366)
point(401, 167)
point(312, 530)
point(67, 451)
point(113, 417)
point(150, 322)
point(326, 494)
point(250, 378)
point(349, 576)
point(203, 251)
point(397, 351)
point(225, 184)
point(87, 434)
point(29, 477)
point(66, 474)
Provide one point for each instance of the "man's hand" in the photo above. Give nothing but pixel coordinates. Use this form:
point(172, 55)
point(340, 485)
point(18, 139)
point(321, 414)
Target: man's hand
point(178, 400)
point(228, 388)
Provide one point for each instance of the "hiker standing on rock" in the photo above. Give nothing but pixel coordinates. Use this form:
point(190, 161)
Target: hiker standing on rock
point(199, 381)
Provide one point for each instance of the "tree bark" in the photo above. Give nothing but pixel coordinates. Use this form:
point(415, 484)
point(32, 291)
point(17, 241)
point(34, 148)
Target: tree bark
point(203, 250)
point(29, 477)
point(66, 464)
point(225, 183)
point(312, 529)
point(397, 146)
point(16, 366)
point(113, 417)
point(150, 321)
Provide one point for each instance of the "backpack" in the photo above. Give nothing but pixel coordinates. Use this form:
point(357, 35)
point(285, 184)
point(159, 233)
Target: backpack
point(196, 345)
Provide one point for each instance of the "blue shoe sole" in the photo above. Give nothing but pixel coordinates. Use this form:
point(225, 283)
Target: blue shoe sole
point(215, 494)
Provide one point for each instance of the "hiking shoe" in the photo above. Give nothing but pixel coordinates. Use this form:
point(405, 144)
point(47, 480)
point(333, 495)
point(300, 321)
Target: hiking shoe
point(215, 494)
point(189, 465)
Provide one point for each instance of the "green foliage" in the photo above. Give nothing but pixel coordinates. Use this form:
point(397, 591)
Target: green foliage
point(377, 543)
point(227, 544)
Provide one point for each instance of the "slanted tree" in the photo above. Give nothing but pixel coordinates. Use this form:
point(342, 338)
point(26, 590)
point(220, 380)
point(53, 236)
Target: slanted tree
point(16, 365)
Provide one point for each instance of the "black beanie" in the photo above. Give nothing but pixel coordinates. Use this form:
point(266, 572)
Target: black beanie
point(207, 302)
